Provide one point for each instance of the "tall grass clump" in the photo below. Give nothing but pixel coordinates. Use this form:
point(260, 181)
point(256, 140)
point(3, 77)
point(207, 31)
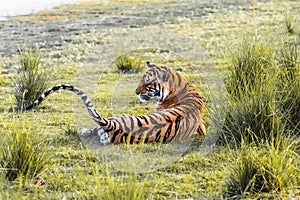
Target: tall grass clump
point(244, 175)
point(289, 86)
point(271, 169)
point(24, 155)
point(263, 87)
point(127, 187)
point(127, 64)
point(31, 81)
point(251, 85)
point(290, 23)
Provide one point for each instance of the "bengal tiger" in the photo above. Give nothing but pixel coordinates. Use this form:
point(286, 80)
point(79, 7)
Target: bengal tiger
point(177, 116)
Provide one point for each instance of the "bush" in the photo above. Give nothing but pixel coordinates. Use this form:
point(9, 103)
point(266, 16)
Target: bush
point(243, 176)
point(31, 81)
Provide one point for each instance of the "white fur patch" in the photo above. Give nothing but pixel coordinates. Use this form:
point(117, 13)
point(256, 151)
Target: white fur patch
point(104, 137)
point(141, 99)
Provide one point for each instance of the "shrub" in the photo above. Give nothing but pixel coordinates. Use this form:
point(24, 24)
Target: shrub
point(31, 81)
point(252, 118)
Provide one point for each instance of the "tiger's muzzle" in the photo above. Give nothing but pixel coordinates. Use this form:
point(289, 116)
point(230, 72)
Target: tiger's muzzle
point(148, 95)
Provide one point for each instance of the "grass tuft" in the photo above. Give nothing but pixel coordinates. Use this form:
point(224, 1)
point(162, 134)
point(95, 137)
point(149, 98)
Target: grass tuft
point(271, 169)
point(251, 80)
point(263, 86)
point(126, 64)
point(289, 86)
point(243, 175)
point(31, 80)
point(24, 156)
point(290, 23)
point(127, 187)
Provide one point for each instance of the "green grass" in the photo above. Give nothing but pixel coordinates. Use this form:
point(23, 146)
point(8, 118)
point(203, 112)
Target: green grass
point(267, 78)
point(257, 53)
point(127, 64)
point(125, 186)
point(289, 86)
point(31, 81)
point(262, 171)
point(291, 24)
point(24, 157)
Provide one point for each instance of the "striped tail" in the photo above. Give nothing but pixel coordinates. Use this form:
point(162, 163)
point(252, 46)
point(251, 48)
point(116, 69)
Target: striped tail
point(87, 102)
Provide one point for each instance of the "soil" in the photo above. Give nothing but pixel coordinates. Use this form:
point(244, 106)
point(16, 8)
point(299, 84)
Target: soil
point(52, 28)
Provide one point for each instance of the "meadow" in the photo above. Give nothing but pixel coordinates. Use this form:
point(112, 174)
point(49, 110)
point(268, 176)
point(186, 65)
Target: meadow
point(242, 56)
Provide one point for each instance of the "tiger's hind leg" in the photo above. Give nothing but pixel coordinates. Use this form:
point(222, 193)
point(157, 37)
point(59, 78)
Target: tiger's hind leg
point(201, 129)
point(95, 135)
point(104, 137)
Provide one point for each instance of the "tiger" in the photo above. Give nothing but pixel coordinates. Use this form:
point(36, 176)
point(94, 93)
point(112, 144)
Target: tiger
point(178, 113)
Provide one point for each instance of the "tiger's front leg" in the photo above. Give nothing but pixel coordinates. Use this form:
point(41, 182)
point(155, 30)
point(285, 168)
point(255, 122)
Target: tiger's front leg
point(95, 135)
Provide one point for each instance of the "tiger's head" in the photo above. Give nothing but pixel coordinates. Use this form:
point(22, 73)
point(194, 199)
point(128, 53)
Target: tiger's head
point(153, 84)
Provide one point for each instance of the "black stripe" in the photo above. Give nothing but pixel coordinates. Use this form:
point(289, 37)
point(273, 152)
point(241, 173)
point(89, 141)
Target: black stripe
point(147, 136)
point(47, 93)
point(132, 123)
point(131, 139)
point(55, 88)
point(167, 118)
point(177, 124)
point(173, 77)
point(183, 90)
point(127, 130)
point(151, 117)
point(162, 94)
point(111, 126)
point(158, 135)
point(179, 78)
point(174, 112)
point(139, 122)
point(167, 133)
point(145, 119)
point(117, 132)
point(123, 138)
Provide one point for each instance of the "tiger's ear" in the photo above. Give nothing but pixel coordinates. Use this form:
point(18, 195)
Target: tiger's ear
point(164, 76)
point(149, 64)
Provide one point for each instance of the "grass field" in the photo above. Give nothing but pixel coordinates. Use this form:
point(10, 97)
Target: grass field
point(242, 56)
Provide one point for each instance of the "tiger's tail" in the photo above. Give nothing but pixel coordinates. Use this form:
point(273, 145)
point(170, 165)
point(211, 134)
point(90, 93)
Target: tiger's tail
point(87, 102)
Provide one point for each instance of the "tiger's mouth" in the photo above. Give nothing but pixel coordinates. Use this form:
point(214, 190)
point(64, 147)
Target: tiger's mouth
point(144, 98)
point(150, 95)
